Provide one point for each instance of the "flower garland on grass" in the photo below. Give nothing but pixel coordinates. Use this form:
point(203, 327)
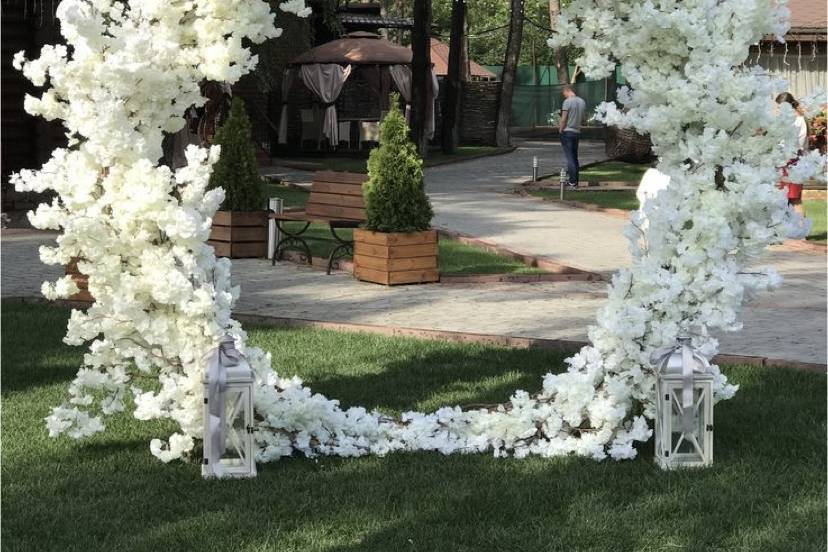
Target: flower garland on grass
point(134, 68)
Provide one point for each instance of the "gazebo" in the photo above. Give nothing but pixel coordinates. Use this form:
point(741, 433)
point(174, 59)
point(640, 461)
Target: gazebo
point(326, 70)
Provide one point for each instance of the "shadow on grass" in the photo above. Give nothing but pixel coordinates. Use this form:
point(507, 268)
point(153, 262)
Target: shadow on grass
point(404, 373)
point(32, 342)
point(764, 492)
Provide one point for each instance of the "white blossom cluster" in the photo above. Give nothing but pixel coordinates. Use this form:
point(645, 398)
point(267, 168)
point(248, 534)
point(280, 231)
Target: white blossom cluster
point(163, 300)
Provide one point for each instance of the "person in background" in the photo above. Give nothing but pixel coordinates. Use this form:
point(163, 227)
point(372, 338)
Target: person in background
point(795, 190)
point(572, 116)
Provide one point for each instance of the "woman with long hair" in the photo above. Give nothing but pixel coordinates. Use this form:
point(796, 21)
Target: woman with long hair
point(795, 190)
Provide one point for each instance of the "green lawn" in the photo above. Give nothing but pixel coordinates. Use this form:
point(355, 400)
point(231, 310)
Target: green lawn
point(766, 490)
point(614, 199)
point(610, 171)
point(625, 199)
point(815, 210)
point(455, 257)
point(359, 164)
point(613, 171)
point(292, 197)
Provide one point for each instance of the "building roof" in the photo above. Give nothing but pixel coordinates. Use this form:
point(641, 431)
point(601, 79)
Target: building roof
point(808, 16)
point(358, 48)
point(440, 56)
point(376, 21)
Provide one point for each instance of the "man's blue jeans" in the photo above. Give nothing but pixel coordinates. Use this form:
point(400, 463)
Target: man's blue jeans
point(569, 143)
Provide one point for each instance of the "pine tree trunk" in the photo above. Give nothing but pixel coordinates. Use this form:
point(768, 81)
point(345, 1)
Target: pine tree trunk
point(507, 85)
point(561, 59)
point(454, 80)
point(420, 73)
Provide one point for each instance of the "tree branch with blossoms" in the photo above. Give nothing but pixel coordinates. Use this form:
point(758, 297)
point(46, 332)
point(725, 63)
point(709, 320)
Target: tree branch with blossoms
point(141, 228)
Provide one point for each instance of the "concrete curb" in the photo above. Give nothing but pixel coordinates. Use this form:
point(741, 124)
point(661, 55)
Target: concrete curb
point(515, 342)
point(500, 340)
point(557, 272)
point(529, 259)
point(802, 246)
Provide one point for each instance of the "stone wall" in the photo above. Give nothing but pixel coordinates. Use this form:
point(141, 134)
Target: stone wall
point(479, 113)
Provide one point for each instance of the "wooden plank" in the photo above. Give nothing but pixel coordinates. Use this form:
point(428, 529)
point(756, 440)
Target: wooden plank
point(337, 188)
point(292, 215)
point(336, 199)
point(240, 218)
point(395, 238)
point(335, 213)
point(390, 265)
point(220, 233)
point(395, 251)
point(370, 275)
point(248, 250)
point(238, 233)
point(340, 176)
point(222, 248)
point(413, 277)
point(82, 295)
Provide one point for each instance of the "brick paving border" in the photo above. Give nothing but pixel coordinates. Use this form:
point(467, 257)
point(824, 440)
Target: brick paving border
point(555, 272)
point(793, 245)
point(563, 345)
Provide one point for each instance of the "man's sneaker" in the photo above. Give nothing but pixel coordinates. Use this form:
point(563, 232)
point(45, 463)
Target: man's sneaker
point(572, 185)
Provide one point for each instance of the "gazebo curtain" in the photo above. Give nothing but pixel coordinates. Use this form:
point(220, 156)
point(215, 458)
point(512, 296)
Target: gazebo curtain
point(431, 106)
point(287, 82)
point(401, 75)
point(326, 81)
point(379, 79)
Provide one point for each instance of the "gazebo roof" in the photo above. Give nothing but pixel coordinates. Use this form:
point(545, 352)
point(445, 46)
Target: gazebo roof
point(358, 48)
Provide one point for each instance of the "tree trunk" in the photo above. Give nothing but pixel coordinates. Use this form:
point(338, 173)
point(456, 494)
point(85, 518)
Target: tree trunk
point(420, 73)
point(612, 85)
point(507, 85)
point(454, 79)
point(561, 59)
point(466, 62)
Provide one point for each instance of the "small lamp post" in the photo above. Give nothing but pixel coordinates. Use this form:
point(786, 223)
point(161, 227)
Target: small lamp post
point(684, 407)
point(563, 180)
point(228, 415)
point(535, 167)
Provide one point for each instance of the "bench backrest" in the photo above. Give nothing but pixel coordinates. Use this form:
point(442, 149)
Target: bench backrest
point(337, 196)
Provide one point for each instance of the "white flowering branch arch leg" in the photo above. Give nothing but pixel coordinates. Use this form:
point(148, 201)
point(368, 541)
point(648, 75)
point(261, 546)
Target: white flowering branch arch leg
point(134, 69)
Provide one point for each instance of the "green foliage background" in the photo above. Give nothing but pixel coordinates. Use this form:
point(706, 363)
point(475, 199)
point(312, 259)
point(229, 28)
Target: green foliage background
point(488, 48)
point(237, 171)
point(395, 198)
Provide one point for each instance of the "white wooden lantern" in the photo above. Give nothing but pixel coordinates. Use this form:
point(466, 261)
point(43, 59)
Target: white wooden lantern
point(228, 415)
point(684, 407)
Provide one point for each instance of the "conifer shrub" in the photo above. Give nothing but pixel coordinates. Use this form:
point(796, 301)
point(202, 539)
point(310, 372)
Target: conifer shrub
point(236, 170)
point(395, 198)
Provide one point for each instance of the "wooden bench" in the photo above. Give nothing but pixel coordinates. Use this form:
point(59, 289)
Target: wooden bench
point(335, 199)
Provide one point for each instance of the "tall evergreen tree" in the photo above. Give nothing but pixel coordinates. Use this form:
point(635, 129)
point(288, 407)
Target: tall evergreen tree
point(395, 198)
point(236, 170)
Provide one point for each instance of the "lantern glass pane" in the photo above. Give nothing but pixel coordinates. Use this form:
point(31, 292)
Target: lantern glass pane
point(235, 429)
point(691, 445)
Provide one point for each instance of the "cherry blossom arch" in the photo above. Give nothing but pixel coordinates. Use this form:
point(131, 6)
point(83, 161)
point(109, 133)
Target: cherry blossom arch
point(130, 71)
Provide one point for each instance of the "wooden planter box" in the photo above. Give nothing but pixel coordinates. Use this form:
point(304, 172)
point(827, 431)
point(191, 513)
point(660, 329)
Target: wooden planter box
point(239, 234)
point(81, 280)
point(396, 258)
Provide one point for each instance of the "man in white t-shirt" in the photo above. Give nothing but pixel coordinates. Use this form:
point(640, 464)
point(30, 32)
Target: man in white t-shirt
point(572, 115)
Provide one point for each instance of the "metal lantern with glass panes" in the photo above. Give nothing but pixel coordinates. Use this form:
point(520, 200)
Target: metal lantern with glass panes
point(228, 415)
point(684, 407)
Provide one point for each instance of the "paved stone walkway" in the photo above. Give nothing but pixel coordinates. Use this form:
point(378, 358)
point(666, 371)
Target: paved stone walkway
point(789, 324)
point(476, 198)
point(473, 198)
